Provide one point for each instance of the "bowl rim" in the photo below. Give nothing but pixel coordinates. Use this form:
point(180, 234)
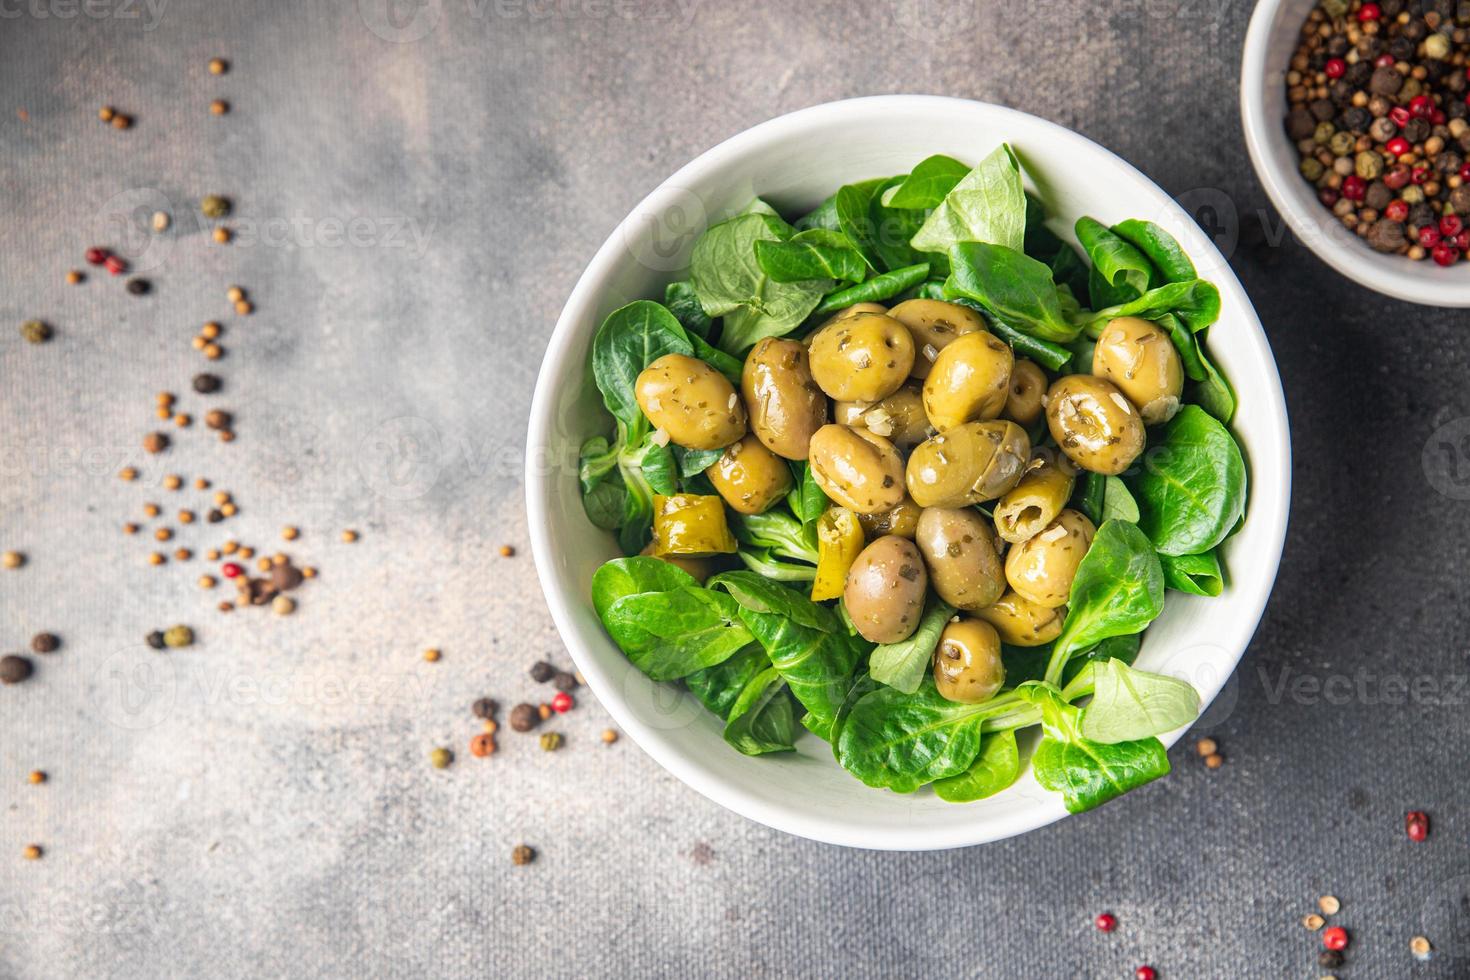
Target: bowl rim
point(1314, 225)
point(1269, 505)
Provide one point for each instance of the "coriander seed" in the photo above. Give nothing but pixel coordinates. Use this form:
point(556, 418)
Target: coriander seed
point(45, 643)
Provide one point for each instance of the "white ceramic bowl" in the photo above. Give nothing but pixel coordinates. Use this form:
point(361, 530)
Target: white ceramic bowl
point(1269, 44)
point(795, 161)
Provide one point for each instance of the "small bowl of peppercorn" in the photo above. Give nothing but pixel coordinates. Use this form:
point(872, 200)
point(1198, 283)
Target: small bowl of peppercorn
point(1357, 122)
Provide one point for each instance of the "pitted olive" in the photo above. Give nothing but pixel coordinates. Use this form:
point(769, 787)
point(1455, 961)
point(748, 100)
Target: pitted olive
point(967, 664)
point(899, 418)
point(1141, 360)
point(1036, 501)
point(934, 325)
point(885, 590)
point(970, 381)
point(1042, 568)
point(1022, 623)
point(857, 469)
point(749, 476)
point(786, 407)
point(1026, 399)
point(861, 358)
point(959, 549)
point(970, 463)
point(902, 520)
point(691, 401)
point(1094, 423)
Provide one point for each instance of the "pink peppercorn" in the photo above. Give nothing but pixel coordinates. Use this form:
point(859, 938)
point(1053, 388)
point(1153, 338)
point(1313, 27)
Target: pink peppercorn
point(562, 703)
point(1445, 254)
point(1451, 225)
point(1370, 11)
point(1105, 922)
point(231, 570)
point(1398, 113)
point(1429, 236)
point(1416, 824)
point(1335, 67)
point(1335, 938)
point(1397, 210)
point(1398, 146)
point(1145, 973)
point(1354, 188)
point(115, 265)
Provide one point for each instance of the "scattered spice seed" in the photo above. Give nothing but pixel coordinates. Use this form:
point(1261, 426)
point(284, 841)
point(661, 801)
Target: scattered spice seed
point(155, 640)
point(609, 736)
point(1206, 747)
point(207, 582)
point(1145, 973)
point(308, 572)
point(245, 552)
point(35, 332)
point(283, 605)
point(212, 554)
point(201, 483)
point(163, 533)
point(161, 220)
point(562, 703)
point(521, 854)
point(234, 294)
point(524, 717)
point(491, 726)
point(138, 287)
point(120, 121)
point(172, 481)
point(264, 565)
point(1416, 825)
point(218, 66)
point(150, 510)
point(1214, 761)
point(432, 655)
point(564, 681)
point(32, 852)
point(127, 474)
point(485, 708)
point(1329, 904)
point(1105, 922)
point(550, 741)
point(1335, 938)
point(178, 636)
point(244, 308)
point(186, 517)
point(37, 777)
point(183, 420)
point(440, 758)
point(12, 559)
point(482, 745)
point(230, 510)
point(183, 554)
point(155, 442)
point(106, 113)
point(215, 206)
point(544, 711)
point(221, 236)
point(207, 384)
point(1421, 948)
point(1313, 921)
point(219, 107)
point(115, 264)
point(210, 331)
point(45, 643)
point(74, 277)
point(162, 412)
point(226, 435)
point(213, 351)
point(349, 536)
point(14, 669)
point(541, 672)
point(130, 528)
point(290, 533)
point(506, 551)
point(156, 558)
point(1330, 959)
point(96, 256)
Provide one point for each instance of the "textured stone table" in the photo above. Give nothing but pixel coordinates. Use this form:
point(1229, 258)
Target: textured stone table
point(416, 190)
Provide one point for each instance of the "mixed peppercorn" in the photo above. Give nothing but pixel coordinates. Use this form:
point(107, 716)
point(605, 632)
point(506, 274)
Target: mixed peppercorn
point(1379, 97)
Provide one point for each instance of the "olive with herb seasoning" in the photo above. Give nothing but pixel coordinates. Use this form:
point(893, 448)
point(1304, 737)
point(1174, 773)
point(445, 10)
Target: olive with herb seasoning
point(691, 401)
point(885, 590)
point(864, 357)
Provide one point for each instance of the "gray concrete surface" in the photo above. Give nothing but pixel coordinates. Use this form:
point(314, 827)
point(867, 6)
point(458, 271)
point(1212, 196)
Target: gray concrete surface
point(417, 189)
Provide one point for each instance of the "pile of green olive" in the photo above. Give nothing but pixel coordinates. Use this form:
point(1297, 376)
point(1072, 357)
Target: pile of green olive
point(909, 419)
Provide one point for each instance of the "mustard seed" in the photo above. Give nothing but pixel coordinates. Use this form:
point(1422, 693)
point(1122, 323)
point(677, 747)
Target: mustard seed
point(183, 420)
point(172, 482)
point(210, 331)
point(215, 206)
point(506, 551)
point(106, 113)
point(1214, 761)
point(12, 559)
point(440, 758)
point(186, 517)
point(234, 294)
point(183, 554)
point(213, 351)
point(155, 442)
point(130, 528)
point(218, 66)
point(522, 855)
point(432, 655)
point(221, 236)
point(74, 277)
point(349, 536)
point(609, 736)
point(35, 332)
point(36, 777)
point(219, 107)
point(32, 852)
point(1206, 746)
point(127, 474)
point(244, 308)
point(207, 582)
point(290, 532)
point(150, 510)
point(120, 121)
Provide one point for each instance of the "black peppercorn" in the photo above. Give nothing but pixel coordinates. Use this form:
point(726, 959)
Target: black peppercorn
point(541, 672)
point(1357, 75)
point(564, 681)
point(1329, 959)
point(214, 516)
point(1422, 214)
point(486, 708)
point(138, 287)
point(14, 669)
point(1356, 120)
point(155, 640)
point(206, 384)
point(524, 717)
point(1416, 130)
point(1400, 49)
point(45, 642)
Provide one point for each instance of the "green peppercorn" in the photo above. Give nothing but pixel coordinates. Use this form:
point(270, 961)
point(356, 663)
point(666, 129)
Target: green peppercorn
point(1336, 8)
point(178, 636)
point(35, 332)
point(215, 206)
point(1324, 132)
point(1312, 168)
point(1437, 46)
point(440, 758)
point(1342, 143)
point(1368, 165)
point(550, 741)
point(1412, 195)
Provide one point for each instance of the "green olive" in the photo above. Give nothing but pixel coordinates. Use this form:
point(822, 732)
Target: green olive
point(959, 549)
point(1096, 426)
point(902, 520)
point(692, 525)
point(856, 469)
point(885, 590)
point(1042, 568)
point(1141, 360)
point(934, 324)
point(969, 464)
point(749, 476)
point(1026, 399)
point(1036, 501)
point(970, 381)
point(691, 401)
point(899, 418)
point(700, 568)
point(786, 407)
point(1022, 623)
point(861, 358)
point(967, 664)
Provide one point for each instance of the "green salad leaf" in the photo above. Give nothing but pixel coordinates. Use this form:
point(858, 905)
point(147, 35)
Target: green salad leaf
point(1012, 287)
point(814, 254)
point(1119, 273)
point(996, 767)
point(875, 290)
point(1087, 773)
point(902, 741)
point(988, 205)
point(669, 635)
point(1194, 574)
point(630, 339)
point(761, 720)
point(902, 665)
point(683, 302)
point(1162, 249)
point(929, 183)
point(1118, 590)
point(719, 687)
point(1192, 489)
point(1128, 704)
point(1117, 503)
